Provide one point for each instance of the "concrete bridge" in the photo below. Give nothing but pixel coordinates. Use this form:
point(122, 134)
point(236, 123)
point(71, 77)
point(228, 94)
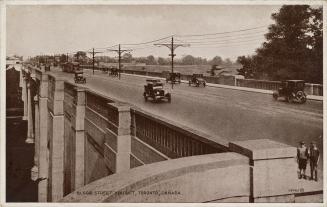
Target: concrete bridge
point(94, 148)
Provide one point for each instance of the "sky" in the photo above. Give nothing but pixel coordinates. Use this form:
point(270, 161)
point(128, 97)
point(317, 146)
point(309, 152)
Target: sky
point(51, 29)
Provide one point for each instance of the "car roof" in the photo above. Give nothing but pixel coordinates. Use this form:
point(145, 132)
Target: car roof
point(153, 80)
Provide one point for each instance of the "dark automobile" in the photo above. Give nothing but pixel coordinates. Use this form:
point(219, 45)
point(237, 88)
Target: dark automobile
point(197, 80)
point(154, 89)
point(47, 67)
point(113, 72)
point(173, 77)
point(79, 78)
point(292, 91)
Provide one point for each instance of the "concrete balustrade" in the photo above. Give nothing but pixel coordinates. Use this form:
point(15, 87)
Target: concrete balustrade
point(172, 139)
point(222, 177)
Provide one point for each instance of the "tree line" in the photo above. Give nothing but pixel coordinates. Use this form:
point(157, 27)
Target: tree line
point(81, 57)
point(293, 48)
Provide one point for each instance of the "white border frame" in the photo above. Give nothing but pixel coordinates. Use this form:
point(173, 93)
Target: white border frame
point(4, 3)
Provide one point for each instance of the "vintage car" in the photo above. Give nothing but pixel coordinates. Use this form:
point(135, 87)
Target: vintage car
point(292, 91)
point(197, 80)
point(154, 89)
point(173, 77)
point(79, 78)
point(47, 67)
point(113, 72)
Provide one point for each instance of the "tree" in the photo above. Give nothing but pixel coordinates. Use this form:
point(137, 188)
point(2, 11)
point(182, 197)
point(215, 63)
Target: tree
point(216, 61)
point(188, 60)
point(127, 57)
point(80, 56)
point(150, 60)
point(293, 47)
point(228, 62)
point(162, 61)
point(248, 65)
point(63, 58)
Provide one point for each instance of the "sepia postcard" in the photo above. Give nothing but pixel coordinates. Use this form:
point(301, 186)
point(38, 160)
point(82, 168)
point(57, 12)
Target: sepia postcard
point(143, 103)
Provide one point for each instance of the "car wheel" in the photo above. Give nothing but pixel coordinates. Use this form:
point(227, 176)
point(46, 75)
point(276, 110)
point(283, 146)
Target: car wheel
point(204, 84)
point(145, 97)
point(189, 83)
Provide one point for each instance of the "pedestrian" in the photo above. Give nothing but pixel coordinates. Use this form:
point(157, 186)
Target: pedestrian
point(302, 157)
point(314, 155)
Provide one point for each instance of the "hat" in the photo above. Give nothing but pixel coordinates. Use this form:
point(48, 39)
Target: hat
point(302, 142)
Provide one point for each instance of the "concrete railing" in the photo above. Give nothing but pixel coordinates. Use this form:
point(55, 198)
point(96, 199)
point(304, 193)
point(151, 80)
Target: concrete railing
point(256, 171)
point(223, 177)
point(171, 138)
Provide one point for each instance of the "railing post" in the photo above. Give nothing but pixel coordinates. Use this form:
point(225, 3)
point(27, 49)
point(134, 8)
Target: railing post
point(24, 94)
point(56, 139)
point(35, 168)
point(30, 127)
point(117, 156)
point(273, 172)
point(79, 139)
point(43, 140)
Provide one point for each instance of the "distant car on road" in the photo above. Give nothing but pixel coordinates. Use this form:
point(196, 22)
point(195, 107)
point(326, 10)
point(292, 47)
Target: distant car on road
point(79, 78)
point(154, 89)
point(172, 77)
point(292, 91)
point(197, 80)
point(113, 72)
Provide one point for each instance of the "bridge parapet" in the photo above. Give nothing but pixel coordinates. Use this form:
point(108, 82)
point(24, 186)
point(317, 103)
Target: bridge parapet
point(222, 177)
point(172, 139)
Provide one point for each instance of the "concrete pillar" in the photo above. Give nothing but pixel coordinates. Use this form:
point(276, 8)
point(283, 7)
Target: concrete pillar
point(273, 172)
point(30, 128)
point(79, 140)
point(24, 96)
point(35, 168)
point(123, 136)
point(56, 139)
point(43, 140)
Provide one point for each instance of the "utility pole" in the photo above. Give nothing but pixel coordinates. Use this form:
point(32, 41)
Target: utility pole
point(67, 57)
point(93, 61)
point(93, 53)
point(119, 51)
point(172, 46)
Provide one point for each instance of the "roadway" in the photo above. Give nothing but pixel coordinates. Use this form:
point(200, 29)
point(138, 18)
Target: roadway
point(224, 113)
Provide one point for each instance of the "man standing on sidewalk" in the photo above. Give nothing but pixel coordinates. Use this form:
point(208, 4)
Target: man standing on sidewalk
point(314, 159)
point(302, 157)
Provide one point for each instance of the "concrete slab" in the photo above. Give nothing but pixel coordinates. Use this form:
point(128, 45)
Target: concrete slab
point(263, 149)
